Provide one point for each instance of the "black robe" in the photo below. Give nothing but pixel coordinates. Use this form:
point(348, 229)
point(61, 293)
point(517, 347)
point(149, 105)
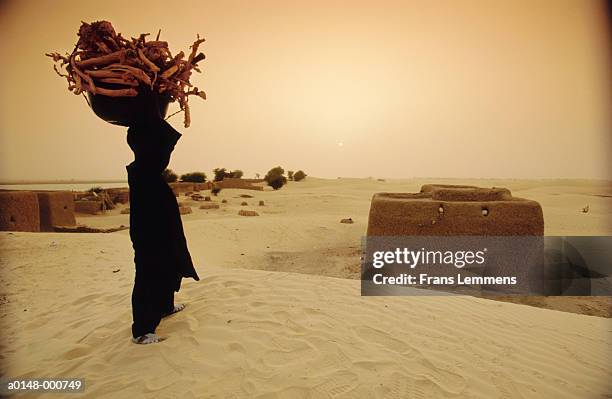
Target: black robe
point(160, 249)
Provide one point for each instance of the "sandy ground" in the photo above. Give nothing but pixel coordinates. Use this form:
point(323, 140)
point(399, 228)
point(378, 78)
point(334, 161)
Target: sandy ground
point(290, 329)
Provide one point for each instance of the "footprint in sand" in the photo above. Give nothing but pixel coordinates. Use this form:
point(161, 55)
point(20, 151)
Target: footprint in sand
point(381, 338)
point(240, 291)
point(236, 347)
point(337, 383)
point(36, 323)
point(78, 351)
point(447, 381)
point(85, 300)
point(398, 386)
point(423, 389)
point(504, 385)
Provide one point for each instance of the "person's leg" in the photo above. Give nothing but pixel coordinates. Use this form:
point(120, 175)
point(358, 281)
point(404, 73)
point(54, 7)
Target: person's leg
point(145, 307)
point(168, 307)
point(167, 303)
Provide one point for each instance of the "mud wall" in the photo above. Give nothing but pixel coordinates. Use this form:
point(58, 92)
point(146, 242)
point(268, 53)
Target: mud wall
point(245, 184)
point(90, 207)
point(19, 211)
point(56, 209)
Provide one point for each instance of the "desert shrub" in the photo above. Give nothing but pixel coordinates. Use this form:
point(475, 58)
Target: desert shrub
point(275, 178)
point(169, 176)
point(194, 177)
point(277, 181)
point(290, 174)
point(299, 175)
point(236, 174)
point(220, 174)
point(278, 171)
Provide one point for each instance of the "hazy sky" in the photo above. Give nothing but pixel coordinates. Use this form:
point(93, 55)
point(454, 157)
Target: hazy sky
point(488, 88)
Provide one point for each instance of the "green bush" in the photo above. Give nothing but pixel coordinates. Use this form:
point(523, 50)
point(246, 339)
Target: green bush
point(169, 176)
point(275, 178)
point(290, 175)
point(299, 175)
point(194, 177)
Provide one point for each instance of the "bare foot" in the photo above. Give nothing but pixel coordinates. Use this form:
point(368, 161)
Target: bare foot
point(177, 308)
point(146, 339)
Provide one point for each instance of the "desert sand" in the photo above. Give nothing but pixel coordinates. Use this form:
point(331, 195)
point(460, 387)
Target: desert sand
point(297, 327)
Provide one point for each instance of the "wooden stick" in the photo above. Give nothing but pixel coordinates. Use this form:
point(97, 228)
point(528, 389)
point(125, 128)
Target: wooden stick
point(169, 72)
point(187, 116)
point(156, 43)
point(78, 86)
point(138, 73)
point(194, 49)
point(198, 58)
point(103, 47)
point(104, 73)
point(99, 61)
point(88, 79)
point(58, 57)
point(59, 73)
point(147, 62)
point(114, 92)
point(119, 82)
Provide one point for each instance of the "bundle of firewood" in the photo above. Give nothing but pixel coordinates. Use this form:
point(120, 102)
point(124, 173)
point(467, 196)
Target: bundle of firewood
point(105, 63)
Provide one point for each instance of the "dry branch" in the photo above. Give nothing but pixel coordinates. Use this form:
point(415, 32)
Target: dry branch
point(113, 92)
point(119, 81)
point(100, 61)
point(147, 62)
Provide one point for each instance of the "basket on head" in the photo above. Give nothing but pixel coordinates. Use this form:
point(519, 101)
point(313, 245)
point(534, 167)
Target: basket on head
point(125, 111)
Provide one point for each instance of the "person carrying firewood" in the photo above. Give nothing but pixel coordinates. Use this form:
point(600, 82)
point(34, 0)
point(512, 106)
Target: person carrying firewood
point(160, 249)
point(129, 82)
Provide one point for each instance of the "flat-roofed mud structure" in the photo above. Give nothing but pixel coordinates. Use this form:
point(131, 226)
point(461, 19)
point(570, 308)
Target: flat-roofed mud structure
point(56, 209)
point(446, 210)
point(459, 211)
point(19, 211)
point(245, 184)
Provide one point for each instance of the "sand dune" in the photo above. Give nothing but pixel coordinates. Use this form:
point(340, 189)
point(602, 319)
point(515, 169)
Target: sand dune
point(276, 334)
